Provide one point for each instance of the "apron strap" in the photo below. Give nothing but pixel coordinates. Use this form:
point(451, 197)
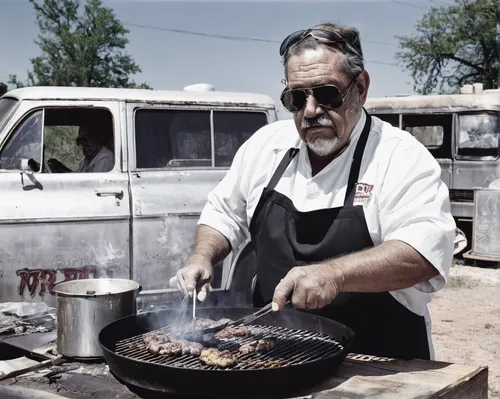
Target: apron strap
point(290, 154)
point(356, 161)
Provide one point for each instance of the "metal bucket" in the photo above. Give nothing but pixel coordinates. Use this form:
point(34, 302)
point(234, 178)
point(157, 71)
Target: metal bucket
point(84, 307)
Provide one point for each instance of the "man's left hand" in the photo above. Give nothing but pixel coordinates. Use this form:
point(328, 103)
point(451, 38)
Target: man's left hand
point(310, 287)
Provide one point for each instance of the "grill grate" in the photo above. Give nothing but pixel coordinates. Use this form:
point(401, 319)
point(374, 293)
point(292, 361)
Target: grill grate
point(292, 347)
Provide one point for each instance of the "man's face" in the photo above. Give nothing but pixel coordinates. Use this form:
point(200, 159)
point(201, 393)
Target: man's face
point(325, 131)
point(87, 141)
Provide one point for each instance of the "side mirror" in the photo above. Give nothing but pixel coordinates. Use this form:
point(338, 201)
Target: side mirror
point(26, 166)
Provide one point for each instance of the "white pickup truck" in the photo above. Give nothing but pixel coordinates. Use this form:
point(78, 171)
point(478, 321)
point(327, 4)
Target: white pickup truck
point(136, 220)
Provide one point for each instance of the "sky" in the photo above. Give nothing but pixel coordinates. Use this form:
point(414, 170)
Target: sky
point(171, 60)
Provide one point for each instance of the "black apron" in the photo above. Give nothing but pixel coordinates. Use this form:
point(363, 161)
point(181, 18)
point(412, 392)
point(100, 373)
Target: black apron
point(284, 237)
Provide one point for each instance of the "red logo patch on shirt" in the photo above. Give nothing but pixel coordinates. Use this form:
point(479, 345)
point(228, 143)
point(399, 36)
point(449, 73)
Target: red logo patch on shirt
point(363, 191)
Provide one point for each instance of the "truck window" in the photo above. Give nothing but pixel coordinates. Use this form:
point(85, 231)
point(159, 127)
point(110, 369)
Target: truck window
point(393, 119)
point(6, 106)
point(166, 138)
point(433, 131)
point(172, 138)
point(231, 130)
point(25, 143)
point(478, 135)
point(73, 140)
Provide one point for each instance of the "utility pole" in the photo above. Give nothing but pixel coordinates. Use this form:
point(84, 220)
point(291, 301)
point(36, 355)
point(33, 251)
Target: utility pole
point(497, 12)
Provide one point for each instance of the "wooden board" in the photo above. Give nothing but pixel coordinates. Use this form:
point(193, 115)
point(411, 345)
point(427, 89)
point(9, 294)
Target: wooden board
point(362, 376)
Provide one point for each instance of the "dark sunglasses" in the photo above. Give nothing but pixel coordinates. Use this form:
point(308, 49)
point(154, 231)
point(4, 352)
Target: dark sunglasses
point(327, 96)
point(323, 36)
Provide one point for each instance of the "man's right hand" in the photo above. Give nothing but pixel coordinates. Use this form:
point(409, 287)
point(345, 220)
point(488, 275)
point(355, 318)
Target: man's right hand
point(197, 273)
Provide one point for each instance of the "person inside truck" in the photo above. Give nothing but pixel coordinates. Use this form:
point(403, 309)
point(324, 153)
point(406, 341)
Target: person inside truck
point(92, 139)
point(348, 215)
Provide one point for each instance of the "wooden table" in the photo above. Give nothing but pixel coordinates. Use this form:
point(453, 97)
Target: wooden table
point(362, 376)
point(359, 376)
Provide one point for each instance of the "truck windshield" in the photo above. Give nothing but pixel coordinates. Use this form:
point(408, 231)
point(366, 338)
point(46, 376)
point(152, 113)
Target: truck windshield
point(6, 106)
point(478, 136)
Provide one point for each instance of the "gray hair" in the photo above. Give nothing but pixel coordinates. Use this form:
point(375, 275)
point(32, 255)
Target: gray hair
point(352, 55)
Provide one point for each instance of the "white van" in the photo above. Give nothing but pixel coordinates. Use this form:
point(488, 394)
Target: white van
point(136, 220)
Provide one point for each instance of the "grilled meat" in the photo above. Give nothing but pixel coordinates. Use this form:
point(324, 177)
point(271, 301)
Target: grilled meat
point(167, 348)
point(260, 345)
point(159, 343)
point(230, 332)
point(268, 364)
point(156, 336)
point(190, 348)
point(215, 357)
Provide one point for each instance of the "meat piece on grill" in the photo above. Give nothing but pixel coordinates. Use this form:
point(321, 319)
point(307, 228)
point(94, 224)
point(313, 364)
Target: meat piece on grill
point(230, 332)
point(171, 349)
point(267, 364)
point(260, 345)
point(190, 348)
point(215, 357)
point(155, 336)
point(167, 348)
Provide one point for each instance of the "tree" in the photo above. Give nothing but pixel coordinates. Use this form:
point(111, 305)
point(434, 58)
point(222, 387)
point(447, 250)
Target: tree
point(80, 47)
point(453, 46)
point(3, 89)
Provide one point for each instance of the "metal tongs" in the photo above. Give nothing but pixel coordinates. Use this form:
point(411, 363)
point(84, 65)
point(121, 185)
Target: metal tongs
point(240, 322)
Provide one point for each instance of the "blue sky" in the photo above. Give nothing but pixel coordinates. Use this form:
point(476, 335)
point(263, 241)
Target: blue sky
point(172, 60)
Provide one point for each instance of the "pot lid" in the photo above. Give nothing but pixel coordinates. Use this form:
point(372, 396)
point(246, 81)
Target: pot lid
point(95, 287)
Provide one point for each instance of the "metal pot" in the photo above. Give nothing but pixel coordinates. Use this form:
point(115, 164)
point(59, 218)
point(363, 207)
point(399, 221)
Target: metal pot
point(84, 307)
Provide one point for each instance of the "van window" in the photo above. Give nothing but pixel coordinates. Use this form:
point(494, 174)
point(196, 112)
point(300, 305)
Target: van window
point(172, 138)
point(73, 140)
point(167, 138)
point(231, 130)
point(25, 143)
point(433, 131)
point(6, 107)
point(478, 135)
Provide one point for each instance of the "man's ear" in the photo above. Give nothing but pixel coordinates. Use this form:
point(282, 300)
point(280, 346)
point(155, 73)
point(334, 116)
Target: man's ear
point(363, 83)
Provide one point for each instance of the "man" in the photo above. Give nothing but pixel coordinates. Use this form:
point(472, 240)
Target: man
point(97, 157)
point(348, 215)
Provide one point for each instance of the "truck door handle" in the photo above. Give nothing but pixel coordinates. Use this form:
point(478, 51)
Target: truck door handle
point(109, 193)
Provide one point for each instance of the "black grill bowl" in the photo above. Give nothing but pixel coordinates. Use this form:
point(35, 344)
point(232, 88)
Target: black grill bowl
point(276, 382)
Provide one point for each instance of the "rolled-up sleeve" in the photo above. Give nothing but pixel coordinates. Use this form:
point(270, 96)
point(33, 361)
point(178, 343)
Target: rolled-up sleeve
point(225, 209)
point(414, 207)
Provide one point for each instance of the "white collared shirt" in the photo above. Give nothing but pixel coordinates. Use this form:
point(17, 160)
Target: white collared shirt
point(103, 161)
point(399, 187)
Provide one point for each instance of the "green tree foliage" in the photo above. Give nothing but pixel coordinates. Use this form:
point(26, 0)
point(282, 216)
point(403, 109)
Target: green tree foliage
point(81, 45)
point(3, 88)
point(452, 46)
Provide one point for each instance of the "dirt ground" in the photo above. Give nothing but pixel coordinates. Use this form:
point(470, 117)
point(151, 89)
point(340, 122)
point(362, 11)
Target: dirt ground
point(466, 320)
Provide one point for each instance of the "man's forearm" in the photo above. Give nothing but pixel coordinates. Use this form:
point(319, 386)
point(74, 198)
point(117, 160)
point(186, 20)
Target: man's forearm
point(390, 266)
point(210, 245)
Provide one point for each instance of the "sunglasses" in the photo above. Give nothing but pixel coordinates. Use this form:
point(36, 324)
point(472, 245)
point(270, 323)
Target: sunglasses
point(322, 36)
point(327, 96)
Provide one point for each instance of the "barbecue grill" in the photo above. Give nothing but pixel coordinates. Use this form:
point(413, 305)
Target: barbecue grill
point(308, 348)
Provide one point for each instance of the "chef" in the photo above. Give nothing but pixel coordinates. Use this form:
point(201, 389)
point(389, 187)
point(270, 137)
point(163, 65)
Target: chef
point(348, 215)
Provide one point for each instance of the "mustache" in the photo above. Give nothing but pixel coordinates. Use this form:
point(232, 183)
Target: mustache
point(320, 121)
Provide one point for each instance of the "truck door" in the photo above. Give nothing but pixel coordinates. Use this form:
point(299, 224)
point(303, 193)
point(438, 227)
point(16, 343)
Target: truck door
point(57, 225)
point(180, 155)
